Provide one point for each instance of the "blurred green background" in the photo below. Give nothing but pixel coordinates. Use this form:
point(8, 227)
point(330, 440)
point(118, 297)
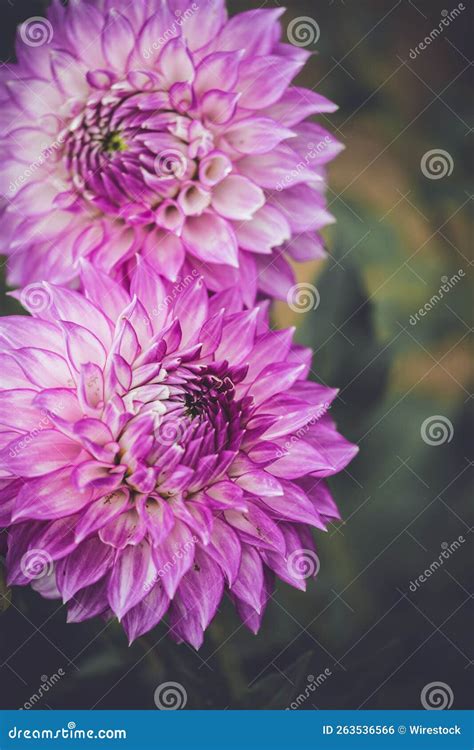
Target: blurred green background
point(398, 233)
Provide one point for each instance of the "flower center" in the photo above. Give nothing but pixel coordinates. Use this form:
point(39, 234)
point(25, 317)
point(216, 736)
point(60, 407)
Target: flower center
point(113, 142)
point(133, 156)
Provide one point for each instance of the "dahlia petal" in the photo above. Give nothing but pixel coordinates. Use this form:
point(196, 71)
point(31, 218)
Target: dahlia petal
point(317, 142)
point(18, 331)
point(49, 497)
point(19, 412)
point(249, 584)
point(146, 614)
point(123, 530)
point(73, 307)
point(267, 229)
point(56, 538)
point(198, 29)
point(255, 527)
point(217, 71)
point(197, 599)
point(43, 368)
point(218, 107)
point(19, 543)
point(279, 563)
point(294, 505)
point(211, 239)
point(256, 135)
point(274, 379)
point(174, 557)
point(321, 498)
point(46, 585)
point(264, 79)
point(301, 205)
point(338, 452)
point(175, 63)
point(260, 483)
point(69, 74)
point(118, 40)
point(43, 453)
point(132, 574)
point(148, 45)
point(296, 104)
point(82, 346)
point(275, 278)
point(237, 198)
point(272, 346)
point(158, 518)
point(304, 458)
point(88, 602)
point(255, 31)
point(238, 334)
point(249, 616)
point(277, 169)
point(100, 512)
point(86, 565)
point(225, 548)
point(306, 247)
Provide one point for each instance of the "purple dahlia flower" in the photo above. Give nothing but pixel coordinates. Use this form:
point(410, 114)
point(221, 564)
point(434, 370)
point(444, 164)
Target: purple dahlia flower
point(157, 450)
point(161, 128)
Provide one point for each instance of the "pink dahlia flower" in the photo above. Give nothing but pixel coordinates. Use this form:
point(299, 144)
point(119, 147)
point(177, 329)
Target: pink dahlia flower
point(156, 451)
point(165, 129)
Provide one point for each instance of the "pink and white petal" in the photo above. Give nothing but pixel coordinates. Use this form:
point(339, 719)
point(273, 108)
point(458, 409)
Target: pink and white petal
point(132, 573)
point(211, 239)
point(237, 197)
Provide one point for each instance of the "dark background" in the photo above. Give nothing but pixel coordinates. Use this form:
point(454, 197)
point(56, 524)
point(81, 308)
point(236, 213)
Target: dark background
point(398, 233)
